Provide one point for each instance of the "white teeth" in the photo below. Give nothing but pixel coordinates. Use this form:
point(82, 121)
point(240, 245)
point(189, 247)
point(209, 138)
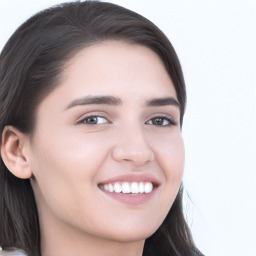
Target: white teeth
point(141, 187)
point(117, 188)
point(135, 188)
point(128, 187)
point(148, 187)
point(110, 188)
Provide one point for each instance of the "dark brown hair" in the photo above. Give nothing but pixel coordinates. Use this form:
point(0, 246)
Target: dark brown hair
point(30, 65)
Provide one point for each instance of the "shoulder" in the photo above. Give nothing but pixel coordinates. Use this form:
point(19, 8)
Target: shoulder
point(12, 253)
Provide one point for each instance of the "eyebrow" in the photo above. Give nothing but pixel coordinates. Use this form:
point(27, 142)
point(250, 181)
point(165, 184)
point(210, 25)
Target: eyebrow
point(115, 101)
point(162, 102)
point(98, 100)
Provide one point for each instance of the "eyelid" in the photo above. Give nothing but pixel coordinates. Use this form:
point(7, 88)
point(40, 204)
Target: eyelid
point(163, 116)
point(101, 114)
point(81, 118)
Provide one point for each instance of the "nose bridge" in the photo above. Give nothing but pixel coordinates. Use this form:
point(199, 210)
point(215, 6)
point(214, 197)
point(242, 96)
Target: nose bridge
point(133, 145)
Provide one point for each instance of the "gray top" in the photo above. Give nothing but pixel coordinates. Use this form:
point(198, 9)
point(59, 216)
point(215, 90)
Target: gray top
point(14, 252)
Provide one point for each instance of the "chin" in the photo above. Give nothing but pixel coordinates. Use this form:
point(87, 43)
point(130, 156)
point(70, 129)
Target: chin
point(131, 235)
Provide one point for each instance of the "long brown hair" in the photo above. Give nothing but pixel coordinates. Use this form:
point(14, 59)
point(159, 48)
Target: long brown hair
point(30, 65)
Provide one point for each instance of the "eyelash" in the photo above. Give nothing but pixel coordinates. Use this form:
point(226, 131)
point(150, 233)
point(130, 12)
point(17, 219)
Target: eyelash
point(165, 118)
point(83, 121)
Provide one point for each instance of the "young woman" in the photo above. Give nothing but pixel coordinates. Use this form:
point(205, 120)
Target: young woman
point(92, 99)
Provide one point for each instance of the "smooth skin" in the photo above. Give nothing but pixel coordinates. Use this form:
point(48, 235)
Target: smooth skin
point(80, 142)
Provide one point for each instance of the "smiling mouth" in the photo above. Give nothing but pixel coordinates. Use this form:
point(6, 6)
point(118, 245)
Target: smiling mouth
point(128, 187)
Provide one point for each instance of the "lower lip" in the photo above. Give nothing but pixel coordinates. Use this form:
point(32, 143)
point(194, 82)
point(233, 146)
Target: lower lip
point(132, 199)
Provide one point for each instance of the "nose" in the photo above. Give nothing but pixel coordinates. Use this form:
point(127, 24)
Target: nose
point(133, 147)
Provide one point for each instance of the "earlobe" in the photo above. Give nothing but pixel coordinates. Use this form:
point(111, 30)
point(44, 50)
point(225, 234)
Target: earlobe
point(14, 153)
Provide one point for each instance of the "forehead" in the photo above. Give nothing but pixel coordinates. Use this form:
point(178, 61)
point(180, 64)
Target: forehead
point(117, 65)
point(132, 73)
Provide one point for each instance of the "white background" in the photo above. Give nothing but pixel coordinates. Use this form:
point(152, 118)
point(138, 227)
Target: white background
point(215, 41)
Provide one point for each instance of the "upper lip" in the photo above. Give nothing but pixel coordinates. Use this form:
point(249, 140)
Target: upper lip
point(130, 177)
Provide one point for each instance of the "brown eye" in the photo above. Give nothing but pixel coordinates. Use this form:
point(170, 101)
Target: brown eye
point(158, 121)
point(161, 121)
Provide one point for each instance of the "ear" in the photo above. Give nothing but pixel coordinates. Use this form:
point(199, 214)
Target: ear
point(14, 152)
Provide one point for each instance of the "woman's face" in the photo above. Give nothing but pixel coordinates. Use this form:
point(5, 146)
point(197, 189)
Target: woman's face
point(111, 124)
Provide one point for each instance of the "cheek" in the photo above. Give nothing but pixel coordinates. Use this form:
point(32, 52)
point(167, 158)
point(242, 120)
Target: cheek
point(176, 156)
point(174, 160)
point(170, 155)
point(68, 153)
point(62, 164)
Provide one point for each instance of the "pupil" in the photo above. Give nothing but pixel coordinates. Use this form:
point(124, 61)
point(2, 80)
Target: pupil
point(92, 120)
point(158, 121)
